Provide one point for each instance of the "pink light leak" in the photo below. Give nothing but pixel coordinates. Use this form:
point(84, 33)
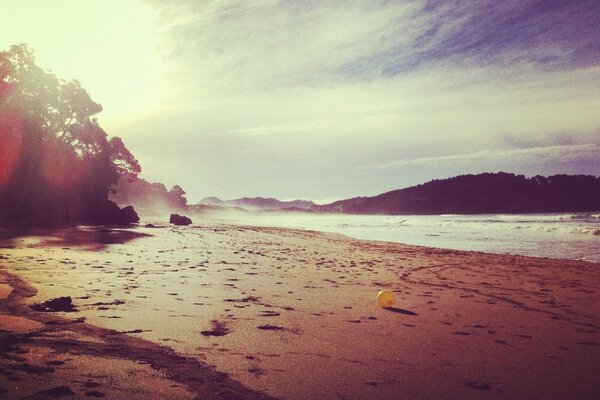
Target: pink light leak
point(11, 138)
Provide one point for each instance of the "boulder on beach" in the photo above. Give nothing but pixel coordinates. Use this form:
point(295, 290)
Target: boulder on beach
point(58, 304)
point(110, 214)
point(177, 219)
point(128, 215)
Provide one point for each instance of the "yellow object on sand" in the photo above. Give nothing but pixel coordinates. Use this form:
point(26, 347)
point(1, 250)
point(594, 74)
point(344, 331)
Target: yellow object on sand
point(386, 298)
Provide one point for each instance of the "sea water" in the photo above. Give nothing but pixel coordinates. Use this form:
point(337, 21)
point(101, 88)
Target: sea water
point(565, 236)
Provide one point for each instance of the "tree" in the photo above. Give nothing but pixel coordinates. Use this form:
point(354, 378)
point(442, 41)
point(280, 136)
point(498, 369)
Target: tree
point(56, 163)
point(177, 197)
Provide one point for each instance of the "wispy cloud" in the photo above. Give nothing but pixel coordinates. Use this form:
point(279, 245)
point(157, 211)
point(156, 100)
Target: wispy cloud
point(275, 43)
point(374, 82)
point(536, 154)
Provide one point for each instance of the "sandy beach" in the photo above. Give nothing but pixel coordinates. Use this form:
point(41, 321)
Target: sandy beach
point(228, 312)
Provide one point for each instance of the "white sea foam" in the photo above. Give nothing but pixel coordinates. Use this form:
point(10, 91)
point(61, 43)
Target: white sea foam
point(564, 235)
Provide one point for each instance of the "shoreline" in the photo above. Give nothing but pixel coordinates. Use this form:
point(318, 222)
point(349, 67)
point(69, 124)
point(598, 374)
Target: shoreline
point(430, 270)
point(533, 235)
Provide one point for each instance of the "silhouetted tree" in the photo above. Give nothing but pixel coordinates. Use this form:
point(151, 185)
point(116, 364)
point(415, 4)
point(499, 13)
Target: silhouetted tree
point(56, 163)
point(177, 197)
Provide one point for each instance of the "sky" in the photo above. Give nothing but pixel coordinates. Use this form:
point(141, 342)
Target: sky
point(329, 99)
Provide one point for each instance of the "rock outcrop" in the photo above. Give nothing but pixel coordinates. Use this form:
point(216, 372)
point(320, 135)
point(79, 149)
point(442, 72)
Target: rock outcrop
point(111, 214)
point(177, 219)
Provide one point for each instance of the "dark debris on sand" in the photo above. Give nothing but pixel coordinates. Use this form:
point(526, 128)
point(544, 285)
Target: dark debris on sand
point(269, 327)
point(218, 329)
point(64, 304)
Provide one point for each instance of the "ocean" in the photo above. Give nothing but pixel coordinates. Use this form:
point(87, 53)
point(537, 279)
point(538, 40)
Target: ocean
point(563, 236)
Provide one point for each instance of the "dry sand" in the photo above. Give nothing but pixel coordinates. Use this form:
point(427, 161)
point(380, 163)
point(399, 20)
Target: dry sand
point(233, 312)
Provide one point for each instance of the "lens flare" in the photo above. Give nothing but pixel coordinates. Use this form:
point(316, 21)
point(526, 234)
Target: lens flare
point(11, 142)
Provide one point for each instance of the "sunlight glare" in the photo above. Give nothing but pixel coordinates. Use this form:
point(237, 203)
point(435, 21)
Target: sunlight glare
point(110, 46)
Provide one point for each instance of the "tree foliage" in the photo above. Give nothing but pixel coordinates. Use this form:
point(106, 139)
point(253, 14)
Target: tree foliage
point(56, 163)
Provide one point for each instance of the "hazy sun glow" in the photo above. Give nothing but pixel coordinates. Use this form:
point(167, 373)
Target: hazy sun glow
point(108, 45)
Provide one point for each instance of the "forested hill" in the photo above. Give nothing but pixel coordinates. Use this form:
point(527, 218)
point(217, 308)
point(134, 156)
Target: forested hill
point(487, 193)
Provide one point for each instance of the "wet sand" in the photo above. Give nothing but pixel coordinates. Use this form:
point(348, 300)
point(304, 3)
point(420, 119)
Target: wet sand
point(243, 312)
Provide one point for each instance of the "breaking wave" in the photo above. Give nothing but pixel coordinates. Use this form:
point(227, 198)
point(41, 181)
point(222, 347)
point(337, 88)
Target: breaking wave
point(561, 235)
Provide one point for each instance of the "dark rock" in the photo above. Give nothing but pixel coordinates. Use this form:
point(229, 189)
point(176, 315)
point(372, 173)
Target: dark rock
point(128, 215)
point(110, 214)
point(58, 304)
point(177, 219)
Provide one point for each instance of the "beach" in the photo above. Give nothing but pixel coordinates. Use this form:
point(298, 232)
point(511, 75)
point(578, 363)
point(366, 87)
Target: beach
point(231, 311)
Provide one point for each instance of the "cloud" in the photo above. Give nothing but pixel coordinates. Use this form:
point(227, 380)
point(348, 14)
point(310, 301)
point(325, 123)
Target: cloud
point(552, 34)
point(270, 44)
point(315, 90)
point(378, 67)
point(536, 154)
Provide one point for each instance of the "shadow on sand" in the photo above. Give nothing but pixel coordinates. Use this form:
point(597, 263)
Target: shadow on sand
point(400, 311)
point(93, 238)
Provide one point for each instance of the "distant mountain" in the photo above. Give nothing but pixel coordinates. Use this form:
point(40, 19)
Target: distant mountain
point(487, 193)
point(211, 201)
point(260, 203)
